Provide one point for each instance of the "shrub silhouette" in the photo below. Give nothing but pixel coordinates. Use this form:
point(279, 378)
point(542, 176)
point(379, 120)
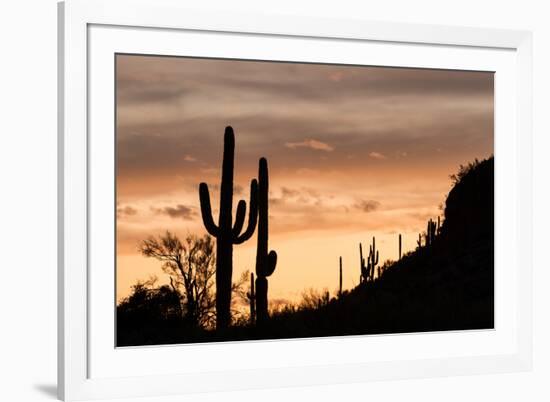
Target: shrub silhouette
point(227, 232)
point(148, 313)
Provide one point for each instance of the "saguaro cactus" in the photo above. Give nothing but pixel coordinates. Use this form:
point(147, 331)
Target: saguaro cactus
point(340, 281)
point(226, 233)
point(265, 262)
point(431, 232)
point(399, 245)
point(373, 258)
point(368, 270)
point(364, 271)
point(251, 296)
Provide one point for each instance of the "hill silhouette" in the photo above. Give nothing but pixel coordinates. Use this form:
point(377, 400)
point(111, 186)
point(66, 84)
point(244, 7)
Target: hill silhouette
point(448, 285)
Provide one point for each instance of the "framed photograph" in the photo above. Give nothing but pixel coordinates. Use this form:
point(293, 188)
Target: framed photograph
point(287, 200)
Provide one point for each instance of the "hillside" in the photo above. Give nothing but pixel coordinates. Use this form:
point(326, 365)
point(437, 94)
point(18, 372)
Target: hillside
point(448, 285)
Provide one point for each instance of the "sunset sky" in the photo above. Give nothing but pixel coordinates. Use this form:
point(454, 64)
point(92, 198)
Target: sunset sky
point(353, 152)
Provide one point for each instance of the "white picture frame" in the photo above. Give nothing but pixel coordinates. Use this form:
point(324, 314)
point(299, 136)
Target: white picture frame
point(89, 365)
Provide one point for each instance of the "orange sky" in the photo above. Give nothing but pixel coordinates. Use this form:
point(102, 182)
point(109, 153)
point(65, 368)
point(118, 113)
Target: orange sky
point(353, 152)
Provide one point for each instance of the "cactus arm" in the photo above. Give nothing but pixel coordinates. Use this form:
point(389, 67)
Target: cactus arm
point(206, 210)
point(239, 218)
point(271, 263)
point(252, 215)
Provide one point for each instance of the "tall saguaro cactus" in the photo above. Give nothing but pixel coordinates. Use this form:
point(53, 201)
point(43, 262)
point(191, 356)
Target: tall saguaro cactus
point(226, 232)
point(265, 262)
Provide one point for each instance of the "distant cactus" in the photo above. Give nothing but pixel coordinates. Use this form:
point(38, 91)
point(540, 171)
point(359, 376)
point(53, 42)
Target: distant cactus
point(399, 245)
point(265, 262)
point(373, 258)
point(364, 271)
point(368, 270)
point(340, 282)
point(431, 232)
point(251, 296)
point(419, 241)
point(227, 233)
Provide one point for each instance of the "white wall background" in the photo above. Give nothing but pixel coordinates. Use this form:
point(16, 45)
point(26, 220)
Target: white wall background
point(28, 198)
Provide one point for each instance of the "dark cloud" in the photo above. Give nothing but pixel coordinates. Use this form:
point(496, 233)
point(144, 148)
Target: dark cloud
point(298, 197)
point(289, 192)
point(122, 212)
point(132, 92)
point(178, 212)
point(154, 79)
point(367, 205)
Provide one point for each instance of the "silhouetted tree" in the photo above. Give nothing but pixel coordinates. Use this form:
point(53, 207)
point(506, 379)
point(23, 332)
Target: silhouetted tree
point(191, 267)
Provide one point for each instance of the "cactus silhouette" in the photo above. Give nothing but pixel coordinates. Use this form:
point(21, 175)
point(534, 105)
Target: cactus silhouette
point(431, 232)
point(399, 245)
point(340, 281)
point(419, 241)
point(368, 270)
point(226, 232)
point(373, 258)
point(265, 262)
point(251, 296)
point(364, 272)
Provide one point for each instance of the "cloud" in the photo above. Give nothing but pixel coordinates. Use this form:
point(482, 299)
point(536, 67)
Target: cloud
point(126, 211)
point(179, 211)
point(289, 192)
point(238, 189)
point(367, 205)
point(310, 143)
point(189, 158)
point(377, 155)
